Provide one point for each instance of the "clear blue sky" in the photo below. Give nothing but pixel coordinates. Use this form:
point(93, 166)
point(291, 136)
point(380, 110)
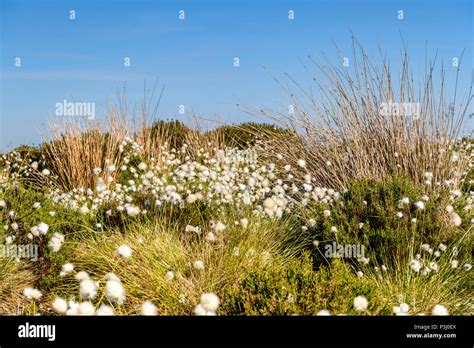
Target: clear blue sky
point(82, 59)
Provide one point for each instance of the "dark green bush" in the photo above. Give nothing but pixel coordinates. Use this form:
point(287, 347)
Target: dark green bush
point(174, 131)
point(375, 205)
point(247, 134)
point(298, 290)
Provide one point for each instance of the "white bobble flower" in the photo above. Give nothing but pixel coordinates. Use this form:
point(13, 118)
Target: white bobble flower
point(301, 163)
point(361, 303)
point(32, 293)
point(327, 213)
point(56, 242)
point(66, 269)
point(73, 308)
point(88, 289)
point(219, 227)
point(43, 228)
point(420, 205)
point(404, 307)
point(210, 302)
point(86, 308)
point(115, 291)
point(124, 251)
point(82, 275)
point(199, 310)
point(416, 265)
point(199, 265)
point(105, 310)
point(191, 199)
point(60, 305)
point(169, 275)
point(433, 266)
point(84, 209)
point(439, 310)
point(269, 203)
point(456, 219)
point(405, 200)
point(132, 210)
point(323, 312)
point(149, 308)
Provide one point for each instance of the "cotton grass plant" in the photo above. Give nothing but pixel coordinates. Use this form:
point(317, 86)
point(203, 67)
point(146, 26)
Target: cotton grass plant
point(172, 270)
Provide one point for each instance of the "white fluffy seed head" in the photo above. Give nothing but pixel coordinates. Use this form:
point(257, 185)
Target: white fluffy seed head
point(60, 305)
point(149, 308)
point(456, 219)
point(88, 289)
point(301, 163)
point(199, 265)
point(404, 307)
point(43, 228)
point(439, 310)
point(86, 308)
point(361, 303)
point(124, 251)
point(169, 275)
point(210, 302)
point(199, 310)
point(81, 275)
point(420, 205)
point(68, 267)
point(115, 291)
point(32, 293)
point(105, 310)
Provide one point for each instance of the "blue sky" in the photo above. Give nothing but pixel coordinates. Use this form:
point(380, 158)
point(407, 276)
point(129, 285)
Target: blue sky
point(82, 59)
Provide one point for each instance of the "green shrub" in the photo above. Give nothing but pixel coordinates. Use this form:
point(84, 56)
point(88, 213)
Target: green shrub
point(247, 134)
point(367, 215)
point(174, 131)
point(299, 290)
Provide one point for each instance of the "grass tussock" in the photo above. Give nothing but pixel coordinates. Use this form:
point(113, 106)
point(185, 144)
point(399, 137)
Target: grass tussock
point(346, 126)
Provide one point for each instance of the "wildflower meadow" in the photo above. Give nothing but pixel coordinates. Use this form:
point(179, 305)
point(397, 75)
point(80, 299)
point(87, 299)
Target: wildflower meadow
point(354, 196)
